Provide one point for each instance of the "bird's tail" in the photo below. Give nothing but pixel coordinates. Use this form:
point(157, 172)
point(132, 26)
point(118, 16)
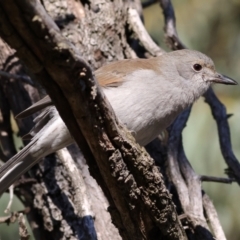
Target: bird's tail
point(16, 166)
point(49, 135)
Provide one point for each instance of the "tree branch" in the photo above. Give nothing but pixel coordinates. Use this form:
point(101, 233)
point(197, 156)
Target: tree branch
point(148, 3)
point(212, 217)
point(216, 179)
point(221, 118)
point(171, 35)
point(25, 79)
point(142, 34)
point(186, 181)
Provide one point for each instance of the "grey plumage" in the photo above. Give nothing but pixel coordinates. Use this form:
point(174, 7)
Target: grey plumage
point(146, 95)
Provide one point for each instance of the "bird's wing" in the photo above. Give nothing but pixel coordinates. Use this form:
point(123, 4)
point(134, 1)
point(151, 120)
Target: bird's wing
point(110, 75)
point(113, 74)
point(41, 104)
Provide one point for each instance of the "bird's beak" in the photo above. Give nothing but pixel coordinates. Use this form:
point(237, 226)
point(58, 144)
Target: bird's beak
point(219, 78)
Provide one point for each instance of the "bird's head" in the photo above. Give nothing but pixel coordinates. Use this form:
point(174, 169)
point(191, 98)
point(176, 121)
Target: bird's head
point(197, 70)
point(196, 66)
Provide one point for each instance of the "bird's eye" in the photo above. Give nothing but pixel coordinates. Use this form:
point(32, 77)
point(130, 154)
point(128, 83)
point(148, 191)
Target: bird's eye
point(197, 67)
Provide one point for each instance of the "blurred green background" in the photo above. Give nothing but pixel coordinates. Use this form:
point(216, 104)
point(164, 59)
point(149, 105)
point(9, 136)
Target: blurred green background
point(210, 26)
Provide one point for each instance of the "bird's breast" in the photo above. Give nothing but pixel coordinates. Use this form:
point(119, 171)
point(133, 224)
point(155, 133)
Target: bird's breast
point(146, 106)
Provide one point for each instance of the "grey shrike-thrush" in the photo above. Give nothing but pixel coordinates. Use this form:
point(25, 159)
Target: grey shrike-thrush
point(146, 95)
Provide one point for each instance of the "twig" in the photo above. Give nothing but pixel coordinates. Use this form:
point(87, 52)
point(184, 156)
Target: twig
point(13, 216)
point(7, 210)
point(195, 209)
point(81, 198)
point(221, 118)
point(20, 182)
point(205, 178)
point(25, 79)
point(213, 218)
point(2, 156)
point(23, 232)
point(148, 3)
point(6, 133)
point(143, 36)
point(23, 181)
point(171, 35)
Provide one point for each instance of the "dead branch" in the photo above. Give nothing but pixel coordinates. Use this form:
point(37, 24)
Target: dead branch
point(24, 181)
point(212, 217)
point(81, 200)
point(148, 3)
point(171, 35)
point(25, 79)
point(221, 118)
point(191, 178)
point(205, 178)
point(187, 183)
point(99, 205)
point(23, 232)
point(8, 208)
point(6, 134)
point(13, 217)
point(142, 34)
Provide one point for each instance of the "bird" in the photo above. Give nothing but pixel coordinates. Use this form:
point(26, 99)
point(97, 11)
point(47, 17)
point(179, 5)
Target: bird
point(145, 94)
